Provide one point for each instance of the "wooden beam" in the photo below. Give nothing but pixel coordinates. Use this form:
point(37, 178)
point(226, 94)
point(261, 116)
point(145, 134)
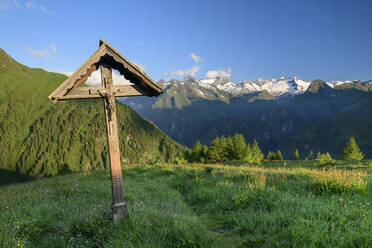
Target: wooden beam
point(119, 208)
point(97, 91)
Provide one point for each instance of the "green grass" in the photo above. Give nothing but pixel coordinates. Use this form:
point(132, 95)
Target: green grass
point(188, 206)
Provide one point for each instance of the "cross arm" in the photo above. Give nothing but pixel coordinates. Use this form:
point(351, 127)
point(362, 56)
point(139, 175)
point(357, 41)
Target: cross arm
point(97, 91)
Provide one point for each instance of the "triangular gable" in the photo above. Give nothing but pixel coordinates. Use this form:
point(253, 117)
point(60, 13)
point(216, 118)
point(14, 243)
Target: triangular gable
point(143, 85)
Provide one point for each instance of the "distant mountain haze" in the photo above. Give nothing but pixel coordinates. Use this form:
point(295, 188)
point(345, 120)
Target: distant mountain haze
point(285, 113)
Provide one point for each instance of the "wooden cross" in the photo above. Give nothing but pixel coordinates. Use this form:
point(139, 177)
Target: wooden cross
point(106, 58)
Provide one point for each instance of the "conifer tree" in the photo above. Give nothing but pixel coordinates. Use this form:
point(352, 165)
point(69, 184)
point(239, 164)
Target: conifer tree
point(238, 147)
point(271, 156)
point(196, 152)
point(279, 155)
point(218, 151)
point(310, 156)
point(248, 153)
point(213, 151)
point(203, 155)
point(328, 156)
point(227, 148)
point(323, 157)
point(352, 151)
point(296, 155)
point(225, 144)
point(318, 155)
point(257, 155)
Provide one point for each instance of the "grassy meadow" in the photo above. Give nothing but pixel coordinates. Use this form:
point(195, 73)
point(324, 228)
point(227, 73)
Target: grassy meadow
point(275, 204)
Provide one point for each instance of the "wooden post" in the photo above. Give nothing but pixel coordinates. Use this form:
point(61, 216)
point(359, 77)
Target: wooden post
point(106, 57)
point(119, 208)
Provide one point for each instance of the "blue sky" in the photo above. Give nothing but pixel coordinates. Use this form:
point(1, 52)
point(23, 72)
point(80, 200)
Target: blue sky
point(331, 40)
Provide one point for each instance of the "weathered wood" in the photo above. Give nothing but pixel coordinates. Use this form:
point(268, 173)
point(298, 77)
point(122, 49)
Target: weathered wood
point(119, 208)
point(107, 57)
point(107, 53)
point(97, 91)
point(82, 71)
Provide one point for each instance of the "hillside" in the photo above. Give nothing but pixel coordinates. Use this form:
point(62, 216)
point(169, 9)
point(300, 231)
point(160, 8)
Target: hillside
point(39, 138)
point(192, 110)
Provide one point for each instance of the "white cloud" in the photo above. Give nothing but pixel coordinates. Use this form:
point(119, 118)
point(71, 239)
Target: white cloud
point(30, 5)
point(41, 53)
point(139, 43)
point(67, 73)
point(218, 73)
point(5, 4)
point(45, 10)
point(46, 52)
point(95, 79)
point(190, 72)
point(140, 66)
point(195, 57)
point(53, 48)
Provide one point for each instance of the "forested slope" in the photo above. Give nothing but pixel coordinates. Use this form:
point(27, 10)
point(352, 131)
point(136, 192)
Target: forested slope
point(39, 138)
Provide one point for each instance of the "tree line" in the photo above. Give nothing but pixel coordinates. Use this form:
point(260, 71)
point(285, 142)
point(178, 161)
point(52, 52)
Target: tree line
point(224, 149)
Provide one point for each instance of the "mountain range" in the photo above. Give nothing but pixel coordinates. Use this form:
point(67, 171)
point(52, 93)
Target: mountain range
point(285, 113)
point(282, 86)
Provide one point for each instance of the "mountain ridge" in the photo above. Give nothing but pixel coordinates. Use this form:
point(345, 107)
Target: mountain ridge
point(276, 87)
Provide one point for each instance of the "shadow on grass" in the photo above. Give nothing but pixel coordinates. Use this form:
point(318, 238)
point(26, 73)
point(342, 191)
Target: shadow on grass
point(9, 177)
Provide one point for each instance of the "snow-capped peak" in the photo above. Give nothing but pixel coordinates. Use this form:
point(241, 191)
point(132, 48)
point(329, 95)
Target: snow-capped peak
point(276, 87)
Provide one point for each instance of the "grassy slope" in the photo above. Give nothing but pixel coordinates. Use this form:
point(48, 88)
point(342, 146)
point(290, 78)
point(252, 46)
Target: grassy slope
point(39, 138)
point(185, 206)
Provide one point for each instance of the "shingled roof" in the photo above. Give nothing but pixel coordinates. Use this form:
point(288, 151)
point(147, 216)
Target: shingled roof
point(108, 55)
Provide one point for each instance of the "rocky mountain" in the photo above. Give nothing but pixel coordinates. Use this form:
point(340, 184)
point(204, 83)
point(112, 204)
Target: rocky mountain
point(275, 87)
point(271, 111)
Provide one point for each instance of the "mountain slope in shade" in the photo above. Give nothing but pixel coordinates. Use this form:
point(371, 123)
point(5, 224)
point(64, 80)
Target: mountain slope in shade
point(331, 134)
point(39, 138)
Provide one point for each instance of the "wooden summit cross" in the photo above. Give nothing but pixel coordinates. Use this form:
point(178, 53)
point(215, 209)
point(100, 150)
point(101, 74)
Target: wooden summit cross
point(107, 58)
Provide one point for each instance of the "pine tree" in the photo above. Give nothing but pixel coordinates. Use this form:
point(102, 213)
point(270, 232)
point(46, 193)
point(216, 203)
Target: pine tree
point(318, 155)
point(248, 153)
point(328, 156)
point(196, 152)
point(351, 151)
point(225, 144)
point(218, 151)
point(238, 148)
point(310, 156)
point(203, 154)
point(296, 155)
point(213, 151)
point(271, 156)
point(279, 155)
point(257, 155)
